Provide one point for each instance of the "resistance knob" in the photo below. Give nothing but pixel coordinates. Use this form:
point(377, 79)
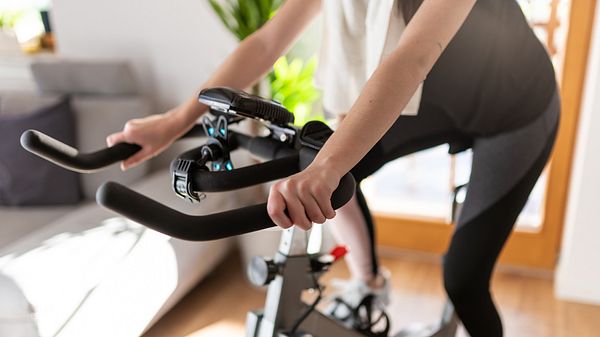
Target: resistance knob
point(261, 271)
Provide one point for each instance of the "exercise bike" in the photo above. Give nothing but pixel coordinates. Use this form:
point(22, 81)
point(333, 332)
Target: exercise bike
point(286, 150)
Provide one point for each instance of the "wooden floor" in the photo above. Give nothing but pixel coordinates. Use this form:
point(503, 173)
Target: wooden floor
point(217, 306)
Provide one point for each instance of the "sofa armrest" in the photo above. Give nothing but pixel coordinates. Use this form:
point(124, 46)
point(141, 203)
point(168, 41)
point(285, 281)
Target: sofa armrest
point(92, 273)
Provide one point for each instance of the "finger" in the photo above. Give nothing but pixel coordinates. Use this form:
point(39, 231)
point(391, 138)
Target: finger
point(312, 209)
point(115, 138)
point(138, 158)
point(297, 212)
point(323, 199)
point(276, 209)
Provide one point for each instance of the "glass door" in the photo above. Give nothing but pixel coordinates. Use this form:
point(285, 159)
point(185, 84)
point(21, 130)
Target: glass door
point(414, 212)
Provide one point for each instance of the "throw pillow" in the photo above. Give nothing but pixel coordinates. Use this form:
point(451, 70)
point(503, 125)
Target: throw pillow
point(27, 180)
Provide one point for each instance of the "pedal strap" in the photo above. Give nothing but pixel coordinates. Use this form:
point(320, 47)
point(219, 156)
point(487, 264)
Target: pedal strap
point(365, 320)
point(362, 317)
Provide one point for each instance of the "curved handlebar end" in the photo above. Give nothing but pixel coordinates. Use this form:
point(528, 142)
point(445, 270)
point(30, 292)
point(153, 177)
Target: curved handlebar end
point(68, 157)
point(35, 141)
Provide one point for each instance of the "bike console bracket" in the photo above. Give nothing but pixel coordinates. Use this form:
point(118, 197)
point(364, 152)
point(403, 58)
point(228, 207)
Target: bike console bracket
point(216, 150)
point(182, 186)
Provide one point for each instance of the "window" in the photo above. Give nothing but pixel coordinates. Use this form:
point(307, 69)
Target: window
point(26, 22)
point(421, 185)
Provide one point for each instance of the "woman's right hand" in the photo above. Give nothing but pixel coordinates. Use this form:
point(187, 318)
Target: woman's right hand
point(153, 133)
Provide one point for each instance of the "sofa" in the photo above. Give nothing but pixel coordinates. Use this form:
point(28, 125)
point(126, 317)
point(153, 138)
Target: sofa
point(81, 270)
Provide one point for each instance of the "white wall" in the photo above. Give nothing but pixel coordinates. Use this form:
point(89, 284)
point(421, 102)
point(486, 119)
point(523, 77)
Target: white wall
point(174, 45)
point(578, 274)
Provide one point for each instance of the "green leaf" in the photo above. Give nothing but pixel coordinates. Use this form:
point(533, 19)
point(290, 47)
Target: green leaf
point(280, 68)
point(265, 9)
point(222, 14)
point(292, 85)
point(295, 68)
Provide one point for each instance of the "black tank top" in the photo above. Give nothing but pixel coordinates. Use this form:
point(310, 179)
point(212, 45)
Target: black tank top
point(495, 75)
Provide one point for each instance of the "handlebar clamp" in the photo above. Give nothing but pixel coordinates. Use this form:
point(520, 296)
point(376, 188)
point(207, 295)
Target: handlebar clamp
point(216, 150)
point(182, 186)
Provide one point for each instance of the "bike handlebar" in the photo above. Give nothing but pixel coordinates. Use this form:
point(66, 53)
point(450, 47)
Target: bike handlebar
point(214, 226)
point(211, 227)
point(218, 181)
point(285, 161)
point(70, 158)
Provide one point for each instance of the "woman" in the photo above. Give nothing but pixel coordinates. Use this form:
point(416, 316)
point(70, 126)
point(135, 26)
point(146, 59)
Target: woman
point(479, 78)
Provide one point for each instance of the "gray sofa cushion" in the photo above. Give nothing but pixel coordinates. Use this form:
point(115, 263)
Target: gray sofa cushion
point(26, 179)
point(104, 98)
point(97, 117)
point(84, 77)
point(21, 103)
point(17, 222)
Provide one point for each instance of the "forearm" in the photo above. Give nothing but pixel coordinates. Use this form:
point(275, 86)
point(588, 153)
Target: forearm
point(394, 82)
point(381, 101)
point(255, 56)
point(241, 69)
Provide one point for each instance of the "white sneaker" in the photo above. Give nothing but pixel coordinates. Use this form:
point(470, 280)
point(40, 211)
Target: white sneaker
point(360, 306)
point(351, 293)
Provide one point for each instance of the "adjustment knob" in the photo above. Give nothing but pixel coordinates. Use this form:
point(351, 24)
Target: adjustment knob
point(261, 271)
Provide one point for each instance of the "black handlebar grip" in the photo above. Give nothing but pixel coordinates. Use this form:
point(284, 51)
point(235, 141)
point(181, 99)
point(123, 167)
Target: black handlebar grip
point(161, 218)
point(218, 181)
point(264, 147)
point(68, 157)
point(215, 226)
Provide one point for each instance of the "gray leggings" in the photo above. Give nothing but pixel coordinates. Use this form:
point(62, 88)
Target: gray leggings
point(505, 169)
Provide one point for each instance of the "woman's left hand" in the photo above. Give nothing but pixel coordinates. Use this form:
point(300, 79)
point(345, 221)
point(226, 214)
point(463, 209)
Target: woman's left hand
point(304, 198)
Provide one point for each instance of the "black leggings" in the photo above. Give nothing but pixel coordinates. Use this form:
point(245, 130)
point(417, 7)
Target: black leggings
point(505, 169)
